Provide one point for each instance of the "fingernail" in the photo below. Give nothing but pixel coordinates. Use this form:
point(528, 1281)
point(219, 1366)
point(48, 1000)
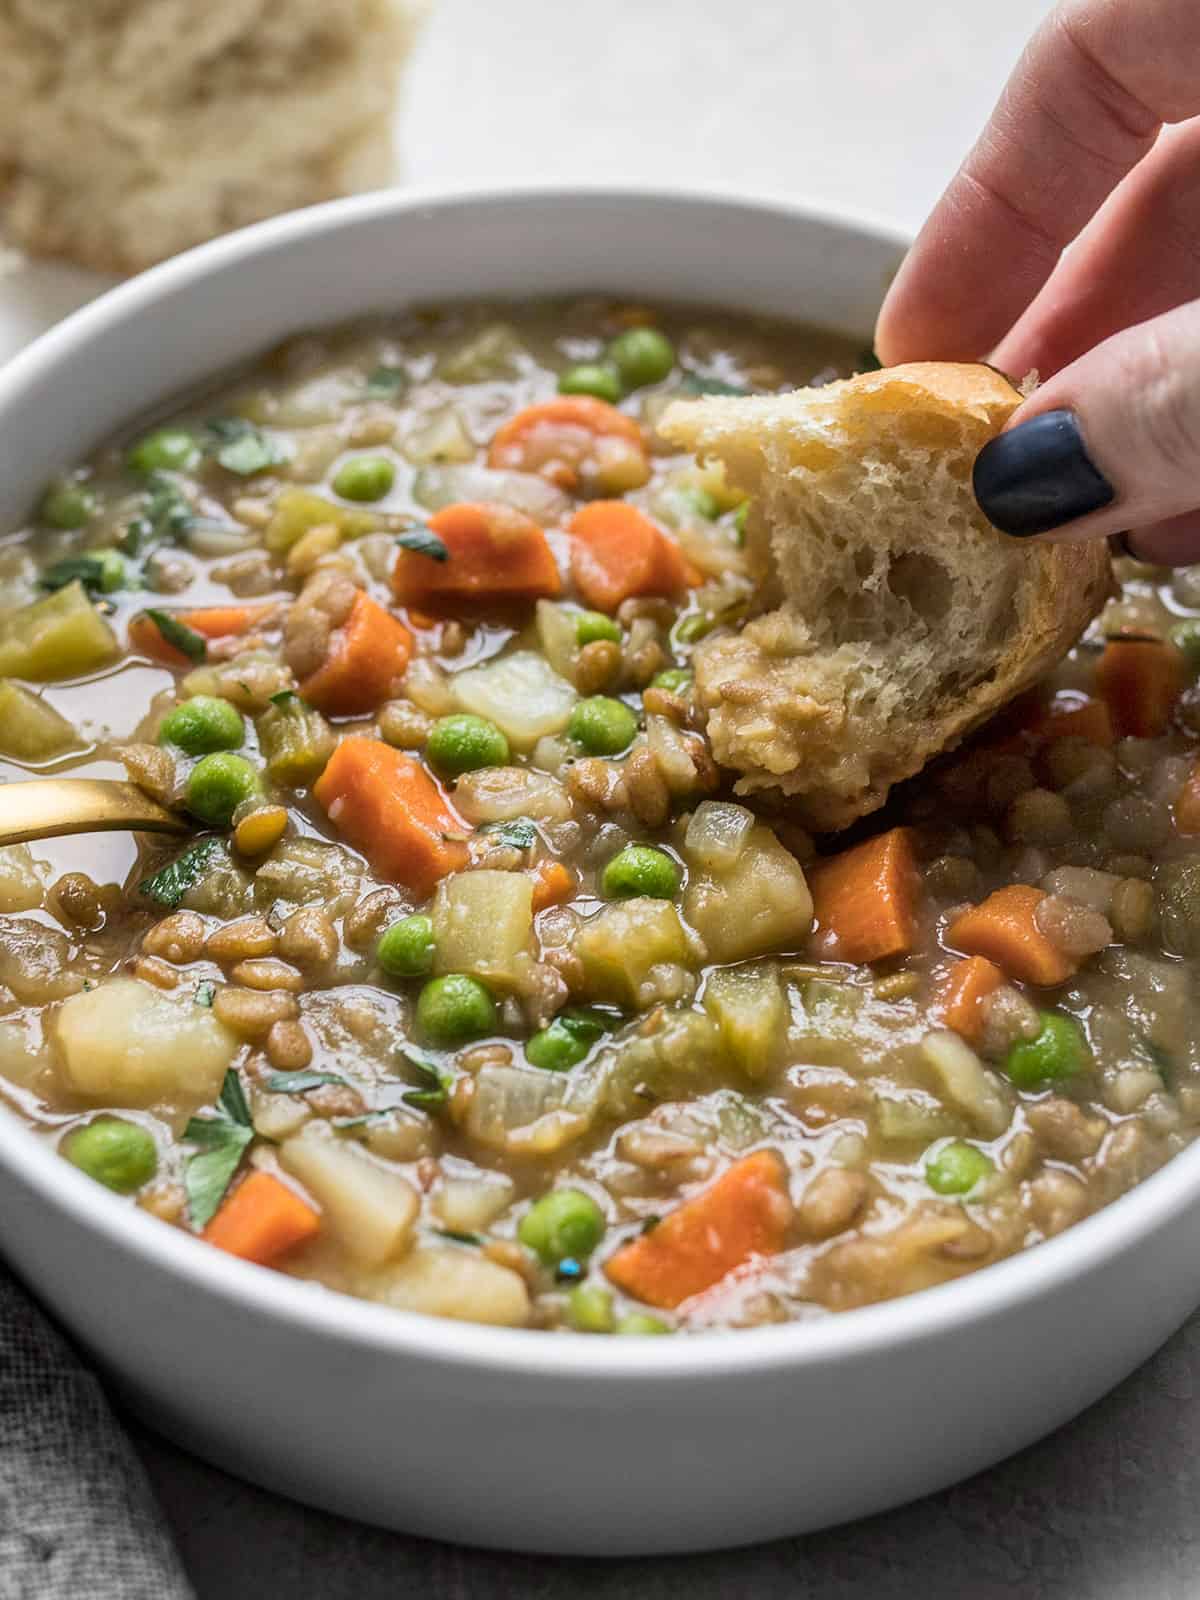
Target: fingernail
point(1039, 475)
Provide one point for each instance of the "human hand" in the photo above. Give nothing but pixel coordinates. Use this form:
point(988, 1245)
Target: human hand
point(1111, 439)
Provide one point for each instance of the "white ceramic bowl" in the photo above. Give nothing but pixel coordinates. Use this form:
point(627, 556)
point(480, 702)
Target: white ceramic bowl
point(515, 1439)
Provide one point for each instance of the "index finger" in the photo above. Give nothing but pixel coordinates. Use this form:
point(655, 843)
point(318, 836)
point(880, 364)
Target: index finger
point(1084, 105)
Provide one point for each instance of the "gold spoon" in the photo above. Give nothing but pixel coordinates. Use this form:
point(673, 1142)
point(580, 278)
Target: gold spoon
point(47, 808)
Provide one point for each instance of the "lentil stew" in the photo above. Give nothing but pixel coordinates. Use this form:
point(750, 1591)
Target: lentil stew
point(475, 993)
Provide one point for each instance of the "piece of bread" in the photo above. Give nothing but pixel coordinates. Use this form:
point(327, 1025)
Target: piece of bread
point(890, 617)
point(132, 129)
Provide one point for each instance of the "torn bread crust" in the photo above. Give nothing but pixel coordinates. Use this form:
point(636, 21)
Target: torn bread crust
point(892, 619)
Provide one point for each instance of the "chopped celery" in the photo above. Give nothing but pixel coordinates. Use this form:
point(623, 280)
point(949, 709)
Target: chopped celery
point(620, 944)
point(61, 636)
point(295, 740)
point(296, 511)
point(747, 1004)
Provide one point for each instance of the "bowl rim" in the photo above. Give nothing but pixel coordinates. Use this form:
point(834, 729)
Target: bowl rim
point(840, 1337)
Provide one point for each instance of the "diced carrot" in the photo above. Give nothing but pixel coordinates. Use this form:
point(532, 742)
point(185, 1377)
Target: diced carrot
point(1187, 803)
point(366, 656)
point(493, 552)
point(744, 1214)
point(617, 552)
point(262, 1220)
point(1140, 679)
point(210, 622)
point(863, 899)
point(1075, 717)
point(553, 884)
point(387, 805)
point(556, 436)
point(966, 985)
point(1004, 929)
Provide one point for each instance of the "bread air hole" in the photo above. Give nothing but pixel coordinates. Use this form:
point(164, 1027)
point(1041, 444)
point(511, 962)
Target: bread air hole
point(923, 583)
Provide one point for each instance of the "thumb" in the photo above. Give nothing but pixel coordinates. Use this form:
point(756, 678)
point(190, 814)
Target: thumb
point(1110, 444)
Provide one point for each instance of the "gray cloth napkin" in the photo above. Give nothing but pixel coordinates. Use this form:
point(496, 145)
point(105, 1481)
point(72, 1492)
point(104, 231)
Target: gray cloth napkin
point(77, 1518)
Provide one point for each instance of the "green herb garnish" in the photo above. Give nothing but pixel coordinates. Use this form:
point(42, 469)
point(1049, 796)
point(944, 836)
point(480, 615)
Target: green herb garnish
point(222, 1142)
point(168, 886)
point(192, 644)
point(386, 381)
point(166, 516)
point(99, 571)
point(434, 1083)
point(300, 1082)
point(204, 994)
point(287, 700)
point(244, 449)
point(458, 1237)
point(695, 383)
point(423, 543)
point(520, 833)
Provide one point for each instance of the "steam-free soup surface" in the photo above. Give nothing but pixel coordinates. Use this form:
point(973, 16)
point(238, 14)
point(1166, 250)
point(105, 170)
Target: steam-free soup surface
point(477, 991)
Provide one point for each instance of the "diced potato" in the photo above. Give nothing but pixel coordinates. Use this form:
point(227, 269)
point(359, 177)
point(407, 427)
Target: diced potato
point(296, 511)
point(521, 693)
point(963, 1080)
point(502, 794)
point(452, 1282)
point(60, 636)
point(23, 1053)
point(468, 1205)
point(620, 944)
point(369, 1209)
point(127, 1044)
point(31, 730)
point(483, 925)
point(22, 880)
point(760, 904)
point(748, 1005)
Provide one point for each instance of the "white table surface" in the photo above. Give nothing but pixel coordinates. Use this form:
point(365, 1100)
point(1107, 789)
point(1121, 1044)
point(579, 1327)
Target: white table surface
point(865, 103)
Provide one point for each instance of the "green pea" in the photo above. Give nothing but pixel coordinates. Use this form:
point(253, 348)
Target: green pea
point(957, 1168)
point(591, 377)
point(565, 1043)
point(1185, 636)
point(455, 1009)
point(602, 725)
point(364, 478)
point(67, 505)
point(203, 724)
point(464, 743)
point(640, 869)
point(642, 356)
point(676, 680)
point(406, 948)
point(217, 786)
point(593, 625)
point(164, 450)
point(1058, 1051)
point(564, 1223)
point(641, 1322)
point(590, 1309)
point(118, 1154)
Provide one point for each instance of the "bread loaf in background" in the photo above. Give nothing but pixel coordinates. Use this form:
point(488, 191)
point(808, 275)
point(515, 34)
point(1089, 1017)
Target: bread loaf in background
point(133, 129)
point(891, 617)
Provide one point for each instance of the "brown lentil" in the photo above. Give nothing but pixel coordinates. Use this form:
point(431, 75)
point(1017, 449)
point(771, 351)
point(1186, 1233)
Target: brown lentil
point(288, 1046)
point(245, 939)
point(250, 1013)
point(178, 938)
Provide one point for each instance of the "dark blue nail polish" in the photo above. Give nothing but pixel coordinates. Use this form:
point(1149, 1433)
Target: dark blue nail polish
point(1038, 476)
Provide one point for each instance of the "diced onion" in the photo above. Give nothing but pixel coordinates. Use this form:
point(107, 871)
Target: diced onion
point(717, 834)
point(438, 486)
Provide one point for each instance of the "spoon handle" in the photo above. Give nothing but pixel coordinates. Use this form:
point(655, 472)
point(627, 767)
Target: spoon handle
point(46, 808)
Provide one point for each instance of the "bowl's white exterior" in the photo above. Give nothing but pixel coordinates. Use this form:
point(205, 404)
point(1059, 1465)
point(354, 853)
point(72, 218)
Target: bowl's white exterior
point(526, 1440)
